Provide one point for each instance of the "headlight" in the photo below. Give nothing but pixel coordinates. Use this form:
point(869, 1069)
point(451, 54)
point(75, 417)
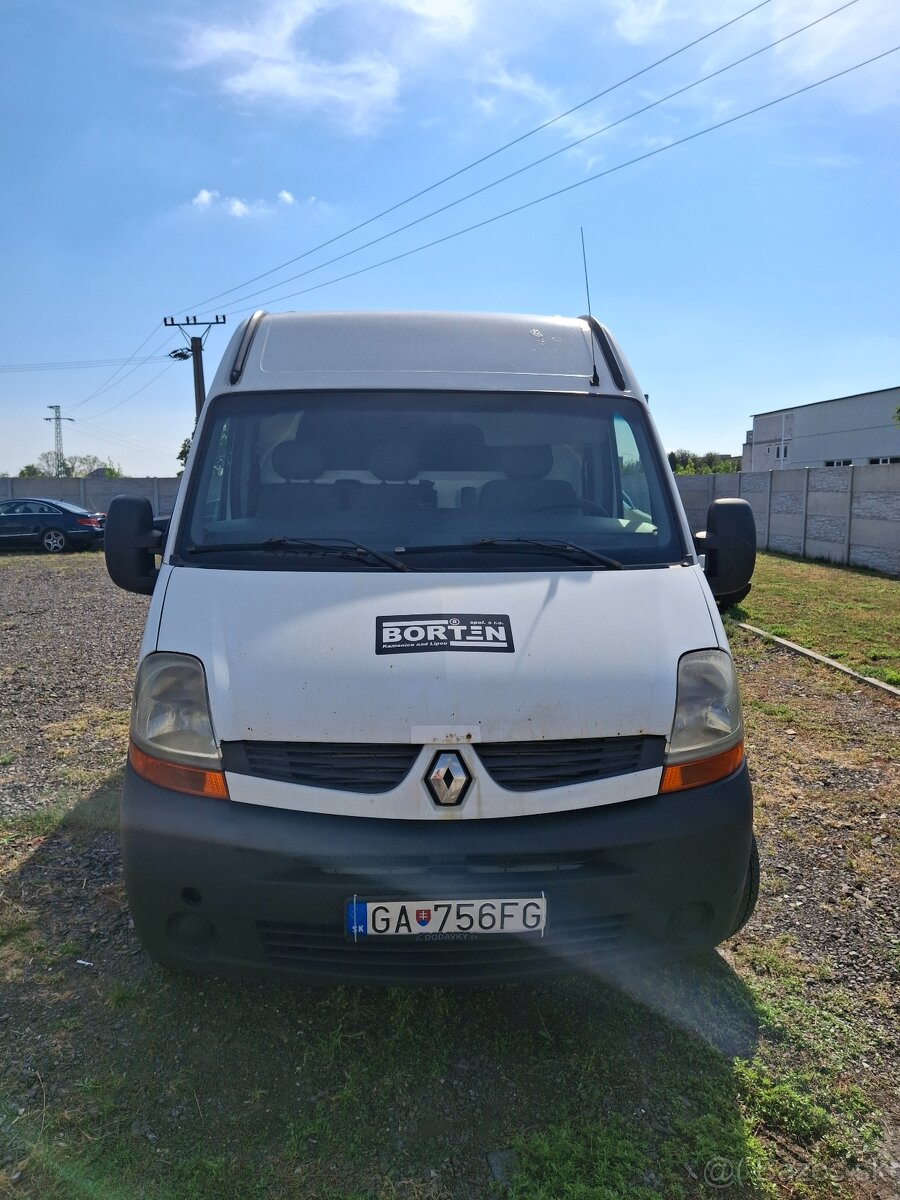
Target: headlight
point(707, 739)
point(172, 739)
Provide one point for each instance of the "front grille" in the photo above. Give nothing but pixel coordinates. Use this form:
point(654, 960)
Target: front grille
point(533, 766)
point(344, 766)
point(576, 942)
point(374, 767)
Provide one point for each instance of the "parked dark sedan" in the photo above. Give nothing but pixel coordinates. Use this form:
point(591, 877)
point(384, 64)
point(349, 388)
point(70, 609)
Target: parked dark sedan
point(55, 525)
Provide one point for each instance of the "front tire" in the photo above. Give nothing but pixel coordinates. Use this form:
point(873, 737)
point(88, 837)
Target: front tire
point(54, 541)
point(750, 893)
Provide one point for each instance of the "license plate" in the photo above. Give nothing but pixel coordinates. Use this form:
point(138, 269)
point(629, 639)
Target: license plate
point(433, 918)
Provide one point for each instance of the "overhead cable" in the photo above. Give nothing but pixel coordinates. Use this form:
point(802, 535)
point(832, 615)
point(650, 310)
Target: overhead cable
point(77, 364)
point(199, 304)
point(545, 158)
point(588, 179)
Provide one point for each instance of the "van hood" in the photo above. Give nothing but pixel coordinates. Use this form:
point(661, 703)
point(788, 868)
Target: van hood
point(293, 656)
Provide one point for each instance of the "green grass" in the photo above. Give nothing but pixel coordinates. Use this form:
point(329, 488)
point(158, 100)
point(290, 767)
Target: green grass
point(695, 1082)
point(346, 1094)
point(848, 614)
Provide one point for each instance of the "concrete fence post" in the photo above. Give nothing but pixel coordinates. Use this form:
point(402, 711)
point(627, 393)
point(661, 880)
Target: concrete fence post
point(768, 509)
point(805, 509)
point(849, 514)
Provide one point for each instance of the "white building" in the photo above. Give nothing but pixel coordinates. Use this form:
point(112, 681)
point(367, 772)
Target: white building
point(846, 431)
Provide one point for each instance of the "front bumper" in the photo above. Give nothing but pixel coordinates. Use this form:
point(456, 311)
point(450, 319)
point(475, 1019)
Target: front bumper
point(222, 887)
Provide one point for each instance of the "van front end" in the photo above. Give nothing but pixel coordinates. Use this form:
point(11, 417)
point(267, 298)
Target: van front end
point(578, 802)
point(220, 887)
point(433, 687)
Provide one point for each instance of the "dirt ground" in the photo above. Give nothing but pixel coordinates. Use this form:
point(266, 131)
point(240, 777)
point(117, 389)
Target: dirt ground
point(823, 752)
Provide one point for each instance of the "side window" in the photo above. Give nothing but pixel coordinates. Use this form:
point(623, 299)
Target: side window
point(632, 472)
point(212, 499)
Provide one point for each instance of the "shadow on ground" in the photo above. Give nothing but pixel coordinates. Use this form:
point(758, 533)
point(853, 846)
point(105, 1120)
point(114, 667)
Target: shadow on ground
point(120, 1080)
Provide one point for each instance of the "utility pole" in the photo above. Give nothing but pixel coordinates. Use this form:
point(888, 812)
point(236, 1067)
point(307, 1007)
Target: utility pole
point(194, 350)
point(57, 437)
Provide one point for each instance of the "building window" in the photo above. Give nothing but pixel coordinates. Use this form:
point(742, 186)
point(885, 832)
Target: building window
point(838, 462)
point(785, 452)
point(874, 462)
point(778, 452)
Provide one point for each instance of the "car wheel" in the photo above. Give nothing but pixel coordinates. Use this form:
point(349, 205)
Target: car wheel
point(54, 541)
point(750, 893)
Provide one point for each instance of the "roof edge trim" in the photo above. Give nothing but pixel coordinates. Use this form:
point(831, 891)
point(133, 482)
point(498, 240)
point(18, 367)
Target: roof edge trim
point(609, 355)
point(240, 359)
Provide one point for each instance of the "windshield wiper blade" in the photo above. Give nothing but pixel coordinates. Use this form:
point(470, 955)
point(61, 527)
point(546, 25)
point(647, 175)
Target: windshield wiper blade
point(531, 545)
point(559, 546)
point(343, 548)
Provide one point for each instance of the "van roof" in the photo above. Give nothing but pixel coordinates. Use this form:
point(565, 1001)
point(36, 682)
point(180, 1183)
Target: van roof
point(452, 351)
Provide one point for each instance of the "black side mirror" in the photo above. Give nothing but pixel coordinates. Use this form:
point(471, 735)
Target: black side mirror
point(131, 542)
point(729, 544)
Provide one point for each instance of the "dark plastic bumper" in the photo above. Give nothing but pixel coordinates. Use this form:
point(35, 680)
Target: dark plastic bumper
point(221, 887)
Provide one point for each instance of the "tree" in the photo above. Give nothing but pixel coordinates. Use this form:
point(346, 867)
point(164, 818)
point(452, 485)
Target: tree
point(74, 466)
point(87, 464)
point(685, 462)
point(184, 451)
point(44, 467)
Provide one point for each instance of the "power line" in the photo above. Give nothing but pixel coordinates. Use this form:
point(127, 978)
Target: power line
point(121, 441)
point(589, 179)
point(553, 154)
point(77, 364)
point(132, 395)
point(111, 381)
point(198, 305)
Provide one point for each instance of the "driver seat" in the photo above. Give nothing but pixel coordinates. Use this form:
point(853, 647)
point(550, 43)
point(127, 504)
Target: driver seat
point(525, 487)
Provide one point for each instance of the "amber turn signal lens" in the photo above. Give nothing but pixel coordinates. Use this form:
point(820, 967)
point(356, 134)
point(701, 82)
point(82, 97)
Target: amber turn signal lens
point(705, 770)
point(193, 780)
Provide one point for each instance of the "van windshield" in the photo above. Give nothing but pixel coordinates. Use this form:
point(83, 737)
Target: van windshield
point(423, 480)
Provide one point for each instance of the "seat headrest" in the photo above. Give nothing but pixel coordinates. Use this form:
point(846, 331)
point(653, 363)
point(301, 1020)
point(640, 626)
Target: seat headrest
point(394, 462)
point(527, 462)
point(299, 459)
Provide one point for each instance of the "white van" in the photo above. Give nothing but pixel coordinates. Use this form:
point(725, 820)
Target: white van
point(433, 685)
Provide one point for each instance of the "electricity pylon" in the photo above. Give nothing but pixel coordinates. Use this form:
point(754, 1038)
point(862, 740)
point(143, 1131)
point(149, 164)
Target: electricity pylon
point(57, 438)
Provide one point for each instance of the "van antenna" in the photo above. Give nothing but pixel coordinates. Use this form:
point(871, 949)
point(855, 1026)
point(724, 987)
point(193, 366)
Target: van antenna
point(595, 378)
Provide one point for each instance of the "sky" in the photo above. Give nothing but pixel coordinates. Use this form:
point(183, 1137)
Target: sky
point(165, 160)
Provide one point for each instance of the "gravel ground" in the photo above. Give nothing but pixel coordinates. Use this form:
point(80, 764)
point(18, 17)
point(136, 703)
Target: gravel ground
point(69, 640)
point(824, 753)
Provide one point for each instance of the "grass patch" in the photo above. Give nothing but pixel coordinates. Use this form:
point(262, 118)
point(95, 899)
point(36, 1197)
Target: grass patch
point(838, 611)
point(34, 823)
point(108, 724)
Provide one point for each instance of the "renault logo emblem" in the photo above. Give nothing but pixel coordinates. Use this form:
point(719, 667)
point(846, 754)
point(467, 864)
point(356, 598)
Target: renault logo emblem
point(448, 779)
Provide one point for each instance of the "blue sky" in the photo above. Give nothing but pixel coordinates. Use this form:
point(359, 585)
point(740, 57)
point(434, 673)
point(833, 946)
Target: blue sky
point(156, 156)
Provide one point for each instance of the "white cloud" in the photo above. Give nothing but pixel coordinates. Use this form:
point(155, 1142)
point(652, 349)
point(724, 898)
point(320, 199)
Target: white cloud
point(859, 32)
point(204, 198)
point(211, 201)
point(349, 63)
point(357, 66)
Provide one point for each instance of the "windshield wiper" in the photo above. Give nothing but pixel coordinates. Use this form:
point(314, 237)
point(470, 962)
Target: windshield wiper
point(529, 545)
point(342, 548)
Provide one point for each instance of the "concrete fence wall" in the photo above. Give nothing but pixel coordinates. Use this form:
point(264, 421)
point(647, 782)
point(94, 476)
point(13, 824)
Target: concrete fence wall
point(95, 494)
point(848, 515)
